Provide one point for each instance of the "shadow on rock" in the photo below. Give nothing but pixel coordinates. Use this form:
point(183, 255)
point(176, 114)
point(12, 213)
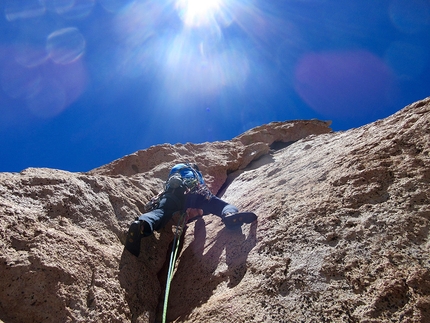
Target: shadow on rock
point(199, 273)
point(138, 275)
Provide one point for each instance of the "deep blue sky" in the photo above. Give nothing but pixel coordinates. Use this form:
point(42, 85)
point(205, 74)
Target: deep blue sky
point(84, 82)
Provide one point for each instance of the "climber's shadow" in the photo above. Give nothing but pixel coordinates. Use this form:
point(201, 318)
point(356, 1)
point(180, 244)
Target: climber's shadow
point(137, 275)
point(199, 273)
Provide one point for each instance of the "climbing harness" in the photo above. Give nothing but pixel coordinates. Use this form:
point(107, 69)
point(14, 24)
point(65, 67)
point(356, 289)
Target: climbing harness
point(173, 255)
point(154, 202)
point(193, 184)
point(185, 184)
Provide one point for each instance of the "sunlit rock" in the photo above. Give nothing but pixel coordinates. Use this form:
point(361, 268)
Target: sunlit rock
point(342, 233)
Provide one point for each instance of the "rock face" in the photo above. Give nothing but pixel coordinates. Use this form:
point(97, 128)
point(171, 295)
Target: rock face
point(342, 233)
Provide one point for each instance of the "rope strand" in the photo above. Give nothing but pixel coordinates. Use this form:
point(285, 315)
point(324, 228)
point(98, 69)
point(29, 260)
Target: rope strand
point(173, 255)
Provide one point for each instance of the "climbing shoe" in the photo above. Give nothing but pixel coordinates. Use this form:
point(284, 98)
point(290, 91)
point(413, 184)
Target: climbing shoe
point(134, 235)
point(237, 219)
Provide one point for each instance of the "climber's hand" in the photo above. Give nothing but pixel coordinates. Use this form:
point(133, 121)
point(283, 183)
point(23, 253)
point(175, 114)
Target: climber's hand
point(192, 213)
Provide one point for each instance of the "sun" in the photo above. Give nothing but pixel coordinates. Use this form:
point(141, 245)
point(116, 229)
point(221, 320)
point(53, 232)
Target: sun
point(198, 13)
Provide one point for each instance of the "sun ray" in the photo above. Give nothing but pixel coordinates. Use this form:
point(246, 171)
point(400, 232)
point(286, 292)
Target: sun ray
point(196, 13)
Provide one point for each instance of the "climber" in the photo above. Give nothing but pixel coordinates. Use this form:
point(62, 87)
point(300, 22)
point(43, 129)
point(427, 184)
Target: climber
point(184, 191)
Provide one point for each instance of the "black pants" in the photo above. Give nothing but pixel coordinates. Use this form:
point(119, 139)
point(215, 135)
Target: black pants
point(175, 201)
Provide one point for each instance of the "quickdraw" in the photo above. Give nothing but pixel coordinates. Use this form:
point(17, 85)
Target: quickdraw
point(154, 202)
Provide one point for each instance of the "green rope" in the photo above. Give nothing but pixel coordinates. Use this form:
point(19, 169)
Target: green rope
point(173, 255)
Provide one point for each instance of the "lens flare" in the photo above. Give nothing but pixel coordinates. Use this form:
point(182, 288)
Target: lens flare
point(344, 84)
point(195, 13)
point(65, 45)
point(24, 9)
point(202, 57)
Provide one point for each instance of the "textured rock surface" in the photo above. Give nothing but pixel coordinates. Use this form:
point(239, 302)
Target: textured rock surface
point(342, 234)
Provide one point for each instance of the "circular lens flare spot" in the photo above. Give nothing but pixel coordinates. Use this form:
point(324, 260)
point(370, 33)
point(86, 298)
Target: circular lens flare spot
point(49, 101)
point(115, 5)
point(344, 84)
point(65, 45)
point(23, 9)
